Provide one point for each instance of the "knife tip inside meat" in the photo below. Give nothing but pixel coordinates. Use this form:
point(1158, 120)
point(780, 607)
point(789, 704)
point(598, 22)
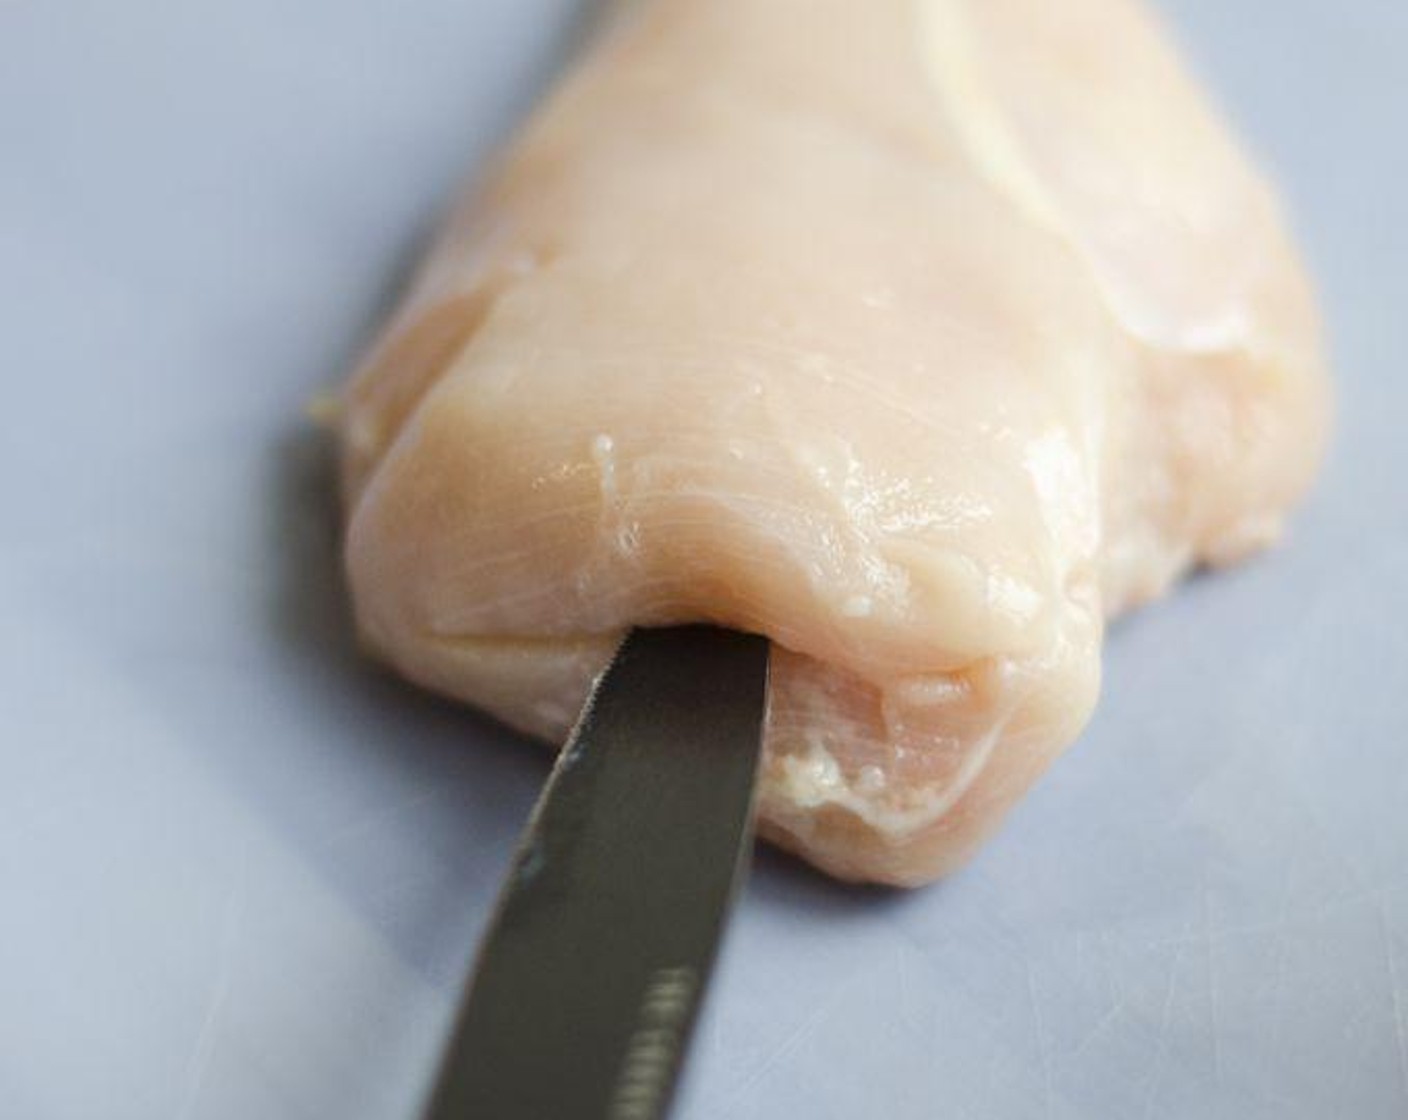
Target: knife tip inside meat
point(920, 337)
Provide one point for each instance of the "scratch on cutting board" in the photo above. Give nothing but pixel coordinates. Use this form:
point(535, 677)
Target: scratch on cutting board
point(994, 1050)
point(790, 1043)
point(232, 918)
point(1360, 1040)
point(910, 1018)
point(1115, 1010)
point(1043, 1045)
point(1165, 1016)
point(1400, 1029)
point(1280, 934)
point(1214, 1010)
point(1303, 917)
point(1325, 836)
point(1115, 995)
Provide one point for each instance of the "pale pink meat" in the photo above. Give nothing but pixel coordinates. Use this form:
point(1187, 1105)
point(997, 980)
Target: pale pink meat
point(918, 335)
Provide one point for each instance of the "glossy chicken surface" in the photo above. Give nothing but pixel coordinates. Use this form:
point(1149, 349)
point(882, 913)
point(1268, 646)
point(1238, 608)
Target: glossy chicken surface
point(920, 336)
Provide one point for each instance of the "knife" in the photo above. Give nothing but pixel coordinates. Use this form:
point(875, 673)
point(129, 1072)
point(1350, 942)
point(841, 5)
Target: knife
point(589, 981)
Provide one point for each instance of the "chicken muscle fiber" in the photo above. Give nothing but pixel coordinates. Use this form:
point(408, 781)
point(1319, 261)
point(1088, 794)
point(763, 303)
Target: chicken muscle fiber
point(917, 335)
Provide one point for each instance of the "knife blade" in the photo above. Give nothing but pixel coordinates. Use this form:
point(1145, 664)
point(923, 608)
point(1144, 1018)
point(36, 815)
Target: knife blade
point(589, 981)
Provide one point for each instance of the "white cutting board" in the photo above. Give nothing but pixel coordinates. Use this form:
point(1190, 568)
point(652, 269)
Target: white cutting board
point(241, 872)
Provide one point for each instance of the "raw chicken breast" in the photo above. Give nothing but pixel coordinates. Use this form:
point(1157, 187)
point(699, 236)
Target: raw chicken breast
point(918, 335)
